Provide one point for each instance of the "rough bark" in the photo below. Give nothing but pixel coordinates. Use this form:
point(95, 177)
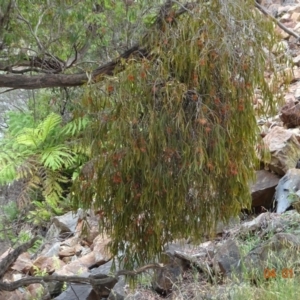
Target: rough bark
point(63, 80)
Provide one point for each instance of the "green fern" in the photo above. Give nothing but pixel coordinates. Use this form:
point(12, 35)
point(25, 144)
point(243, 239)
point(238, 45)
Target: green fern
point(44, 156)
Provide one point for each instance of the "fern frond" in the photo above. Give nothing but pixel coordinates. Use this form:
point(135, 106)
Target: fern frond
point(52, 190)
point(18, 121)
point(33, 137)
point(49, 124)
point(76, 126)
point(7, 174)
point(8, 162)
point(29, 137)
point(27, 169)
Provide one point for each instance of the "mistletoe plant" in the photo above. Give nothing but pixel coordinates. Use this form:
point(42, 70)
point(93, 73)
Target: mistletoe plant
point(173, 136)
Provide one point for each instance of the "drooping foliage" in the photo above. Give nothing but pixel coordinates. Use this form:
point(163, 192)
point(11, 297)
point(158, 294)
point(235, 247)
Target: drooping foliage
point(44, 156)
point(172, 137)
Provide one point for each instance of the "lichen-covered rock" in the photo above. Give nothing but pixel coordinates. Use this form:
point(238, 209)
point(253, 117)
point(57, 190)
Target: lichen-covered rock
point(284, 149)
point(287, 186)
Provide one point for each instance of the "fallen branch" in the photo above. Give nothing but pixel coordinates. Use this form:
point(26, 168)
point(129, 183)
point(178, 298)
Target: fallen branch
point(99, 282)
point(12, 256)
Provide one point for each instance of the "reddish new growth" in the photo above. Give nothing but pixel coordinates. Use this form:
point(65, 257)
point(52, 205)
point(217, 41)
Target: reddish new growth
point(130, 77)
point(117, 178)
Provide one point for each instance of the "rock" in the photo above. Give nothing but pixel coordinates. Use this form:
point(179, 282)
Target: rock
point(284, 148)
point(285, 17)
point(51, 251)
point(99, 247)
point(290, 113)
point(104, 269)
point(222, 226)
point(170, 249)
point(15, 295)
point(296, 132)
point(295, 74)
point(83, 264)
point(295, 16)
point(66, 251)
point(287, 185)
point(23, 263)
point(53, 233)
point(293, 8)
point(35, 290)
point(227, 259)
point(73, 268)
point(78, 291)
point(68, 221)
point(93, 229)
point(47, 264)
point(71, 242)
point(206, 249)
point(163, 279)
point(297, 97)
point(86, 292)
point(290, 97)
point(256, 223)
point(296, 60)
point(263, 190)
point(118, 291)
point(284, 9)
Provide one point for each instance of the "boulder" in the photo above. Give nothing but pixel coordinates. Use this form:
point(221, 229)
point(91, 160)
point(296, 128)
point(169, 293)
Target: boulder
point(51, 250)
point(287, 186)
point(165, 278)
point(284, 149)
point(78, 291)
point(86, 292)
point(290, 113)
point(68, 221)
point(257, 223)
point(263, 190)
point(118, 291)
point(227, 258)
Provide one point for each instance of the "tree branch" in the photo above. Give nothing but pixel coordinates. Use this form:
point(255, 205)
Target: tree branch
point(12, 256)
point(63, 80)
point(110, 68)
point(97, 281)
